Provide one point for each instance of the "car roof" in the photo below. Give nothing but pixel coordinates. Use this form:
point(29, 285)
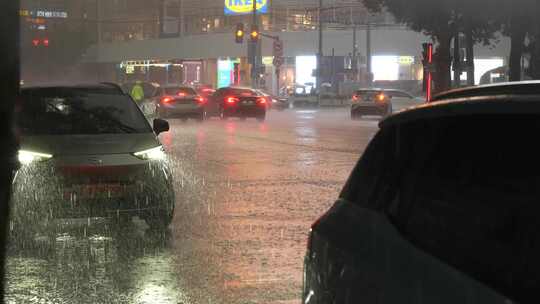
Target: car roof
point(519, 98)
point(514, 88)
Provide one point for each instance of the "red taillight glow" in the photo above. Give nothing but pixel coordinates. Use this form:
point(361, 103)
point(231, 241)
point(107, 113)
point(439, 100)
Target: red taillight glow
point(355, 97)
point(166, 99)
point(200, 100)
point(231, 100)
point(181, 94)
point(261, 100)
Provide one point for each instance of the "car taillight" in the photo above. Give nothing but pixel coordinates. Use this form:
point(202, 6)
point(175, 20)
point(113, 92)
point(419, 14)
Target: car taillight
point(200, 100)
point(232, 100)
point(381, 97)
point(261, 100)
point(355, 98)
point(166, 99)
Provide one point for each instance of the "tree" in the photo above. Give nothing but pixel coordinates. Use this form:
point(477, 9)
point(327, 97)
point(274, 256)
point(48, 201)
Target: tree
point(516, 19)
point(433, 18)
point(441, 20)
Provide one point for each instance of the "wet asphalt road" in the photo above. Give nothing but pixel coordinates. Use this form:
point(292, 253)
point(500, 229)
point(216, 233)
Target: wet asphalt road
point(247, 193)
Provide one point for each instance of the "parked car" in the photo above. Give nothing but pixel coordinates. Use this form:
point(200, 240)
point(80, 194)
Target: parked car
point(87, 152)
point(180, 102)
point(442, 207)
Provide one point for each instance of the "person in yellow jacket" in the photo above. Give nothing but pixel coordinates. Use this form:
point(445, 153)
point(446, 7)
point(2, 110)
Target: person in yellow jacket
point(137, 92)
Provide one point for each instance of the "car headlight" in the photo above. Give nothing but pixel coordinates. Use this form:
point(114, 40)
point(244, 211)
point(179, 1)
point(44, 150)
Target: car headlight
point(27, 157)
point(156, 153)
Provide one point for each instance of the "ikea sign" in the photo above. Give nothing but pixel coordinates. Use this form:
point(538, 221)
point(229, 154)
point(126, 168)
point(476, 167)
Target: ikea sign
point(241, 7)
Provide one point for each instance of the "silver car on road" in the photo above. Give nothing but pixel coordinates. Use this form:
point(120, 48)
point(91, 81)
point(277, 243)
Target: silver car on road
point(88, 152)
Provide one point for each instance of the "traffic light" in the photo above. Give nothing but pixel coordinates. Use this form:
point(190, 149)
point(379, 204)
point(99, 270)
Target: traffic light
point(46, 42)
point(239, 34)
point(427, 53)
point(254, 33)
point(427, 60)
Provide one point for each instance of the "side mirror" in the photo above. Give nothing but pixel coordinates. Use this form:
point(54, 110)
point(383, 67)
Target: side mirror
point(160, 125)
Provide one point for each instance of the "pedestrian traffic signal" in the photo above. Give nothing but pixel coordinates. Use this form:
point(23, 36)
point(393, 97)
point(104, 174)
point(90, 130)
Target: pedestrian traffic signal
point(254, 33)
point(427, 53)
point(239, 34)
point(427, 60)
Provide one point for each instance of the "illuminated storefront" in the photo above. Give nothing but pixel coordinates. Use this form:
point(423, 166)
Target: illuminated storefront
point(242, 7)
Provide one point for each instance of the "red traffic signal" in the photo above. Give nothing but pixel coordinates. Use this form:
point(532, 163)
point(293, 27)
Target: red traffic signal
point(427, 53)
point(239, 34)
point(46, 42)
point(254, 33)
point(35, 42)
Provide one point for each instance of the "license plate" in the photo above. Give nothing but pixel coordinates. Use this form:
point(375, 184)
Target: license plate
point(94, 191)
point(248, 102)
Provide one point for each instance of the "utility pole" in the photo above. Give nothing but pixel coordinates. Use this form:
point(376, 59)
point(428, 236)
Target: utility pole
point(457, 62)
point(354, 51)
point(368, 53)
point(320, 52)
point(470, 56)
point(255, 50)
point(181, 21)
point(98, 23)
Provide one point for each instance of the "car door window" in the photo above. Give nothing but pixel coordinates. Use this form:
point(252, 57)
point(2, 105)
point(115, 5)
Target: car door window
point(471, 199)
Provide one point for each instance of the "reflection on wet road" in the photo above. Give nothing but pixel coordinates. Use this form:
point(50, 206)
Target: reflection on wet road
point(247, 193)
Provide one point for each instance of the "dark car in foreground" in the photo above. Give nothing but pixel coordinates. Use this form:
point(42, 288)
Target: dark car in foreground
point(180, 102)
point(238, 102)
point(87, 152)
point(442, 207)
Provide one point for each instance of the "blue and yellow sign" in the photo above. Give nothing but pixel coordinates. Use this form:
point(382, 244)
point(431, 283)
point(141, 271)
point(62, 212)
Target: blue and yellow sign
point(242, 7)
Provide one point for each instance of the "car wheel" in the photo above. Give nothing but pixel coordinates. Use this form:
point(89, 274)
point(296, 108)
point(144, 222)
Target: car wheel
point(223, 116)
point(159, 219)
point(202, 117)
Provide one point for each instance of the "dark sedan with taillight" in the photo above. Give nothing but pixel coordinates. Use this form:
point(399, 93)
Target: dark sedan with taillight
point(87, 152)
point(369, 102)
point(239, 102)
point(180, 101)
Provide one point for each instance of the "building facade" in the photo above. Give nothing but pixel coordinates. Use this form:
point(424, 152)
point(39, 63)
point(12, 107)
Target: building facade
point(189, 41)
